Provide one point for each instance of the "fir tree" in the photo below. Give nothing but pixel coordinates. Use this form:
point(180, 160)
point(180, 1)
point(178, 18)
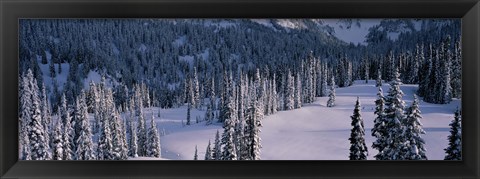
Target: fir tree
point(394, 111)
point(189, 108)
point(379, 79)
point(132, 145)
point(454, 149)
point(331, 95)
point(208, 152)
point(228, 142)
point(195, 156)
point(68, 131)
point(413, 129)
point(379, 131)
point(84, 142)
point(298, 95)
point(57, 141)
point(153, 149)
point(289, 92)
point(39, 148)
point(25, 116)
point(217, 148)
point(358, 148)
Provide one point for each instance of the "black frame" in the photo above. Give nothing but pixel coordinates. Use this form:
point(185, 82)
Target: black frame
point(12, 10)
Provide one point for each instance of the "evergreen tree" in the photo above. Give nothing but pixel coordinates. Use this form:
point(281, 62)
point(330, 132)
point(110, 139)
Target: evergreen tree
point(331, 95)
point(141, 133)
point(456, 80)
point(358, 148)
point(228, 142)
point(57, 141)
point(208, 152)
point(105, 143)
point(379, 79)
point(413, 129)
point(189, 108)
point(298, 95)
point(394, 111)
point(454, 149)
point(195, 156)
point(25, 116)
point(289, 92)
point(324, 82)
point(153, 149)
point(68, 131)
point(132, 147)
point(379, 131)
point(84, 144)
point(217, 148)
point(39, 148)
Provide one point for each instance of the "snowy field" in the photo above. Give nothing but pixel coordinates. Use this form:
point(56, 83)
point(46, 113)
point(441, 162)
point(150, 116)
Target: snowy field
point(313, 132)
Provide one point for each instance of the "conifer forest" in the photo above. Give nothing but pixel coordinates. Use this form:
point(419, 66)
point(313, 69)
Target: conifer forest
point(240, 89)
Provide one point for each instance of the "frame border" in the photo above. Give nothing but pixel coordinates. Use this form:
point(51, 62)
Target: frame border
point(12, 10)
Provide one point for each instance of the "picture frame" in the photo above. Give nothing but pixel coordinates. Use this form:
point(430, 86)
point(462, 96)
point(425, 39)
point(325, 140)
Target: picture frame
point(11, 11)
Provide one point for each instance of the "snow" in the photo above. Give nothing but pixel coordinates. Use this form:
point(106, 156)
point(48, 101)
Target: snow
point(180, 41)
point(313, 132)
point(264, 22)
point(60, 78)
point(354, 34)
point(92, 76)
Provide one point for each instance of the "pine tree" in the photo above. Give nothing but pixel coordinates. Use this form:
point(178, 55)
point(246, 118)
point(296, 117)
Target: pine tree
point(289, 92)
point(413, 129)
point(25, 116)
point(217, 148)
point(105, 143)
point(196, 89)
point(46, 114)
point(141, 130)
point(379, 131)
point(208, 152)
point(39, 148)
point(209, 115)
point(394, 111)
point(195, 156)
point(379, 79)
point(358, 148)
point(454, 149)
point(298, 95)
point(132, 144)
point(189, 108)
point(68, 131)
point(57, 141)
point(331, 95)
point(255, 132)
point(84, 144)
point(456, 81)
point(153, 149)
point(324, 82)
point(228, 142)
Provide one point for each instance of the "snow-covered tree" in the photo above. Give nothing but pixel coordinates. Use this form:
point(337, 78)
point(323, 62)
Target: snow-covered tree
point(68, 132)
point(289, 92)
point(394, 113)
point(358, 148)
point(298, 94)
point(195, 156)
point(189, 109)
point(217, 148)
point(331, 95)
point(25, 116)
point(378, 82)
point(39, 147)
point(57, 153)
point(132, 144)
point(142, 136)
point(153, 143)
point(228, 142)
point(379, 131)
point(454, 149)
point(84, 143)
point(208, 152)
point(413, 129)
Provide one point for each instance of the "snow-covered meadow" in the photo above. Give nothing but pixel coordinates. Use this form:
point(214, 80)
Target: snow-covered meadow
point(313, 132)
